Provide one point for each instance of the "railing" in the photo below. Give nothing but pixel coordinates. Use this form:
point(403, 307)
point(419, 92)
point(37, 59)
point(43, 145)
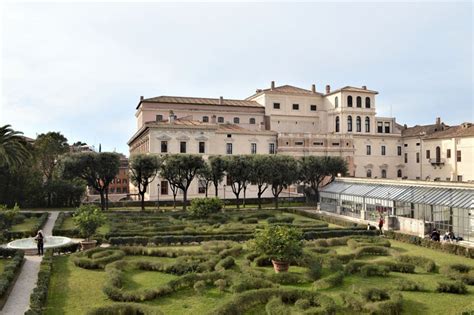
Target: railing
point(437, 161)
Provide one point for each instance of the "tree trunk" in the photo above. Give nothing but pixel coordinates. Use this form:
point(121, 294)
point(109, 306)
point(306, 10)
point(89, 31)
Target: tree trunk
point(207, 188)
point(142, 195)
point(245, 192)
point(174, 200)
point(276, 201)
point(238, 200)
point(185, 199)
point(259, 197)
point(107, 199)
point(217, 189)
point(102, 201)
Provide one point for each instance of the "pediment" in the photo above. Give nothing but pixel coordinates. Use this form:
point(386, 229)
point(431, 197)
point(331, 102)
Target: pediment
point(163, 137)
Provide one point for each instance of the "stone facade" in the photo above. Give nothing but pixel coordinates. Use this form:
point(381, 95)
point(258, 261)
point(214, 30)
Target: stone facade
point(301, 122)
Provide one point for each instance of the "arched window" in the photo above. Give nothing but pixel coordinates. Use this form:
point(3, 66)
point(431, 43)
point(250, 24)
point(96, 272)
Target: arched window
point(399, 173)
point(349, 124)
point(336, 102)
point(358, 124)
point(367, 124)
point(252, 121)
point(438, 154)
point(205, 119)
point(349, 101)
point(337, 124)
point(359, 101)
point(367, 102)
point(236, 120)
point(384, 173)
point(369, 173)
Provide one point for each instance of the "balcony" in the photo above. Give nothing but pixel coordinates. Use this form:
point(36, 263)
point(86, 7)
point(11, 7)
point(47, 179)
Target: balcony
point(437, 162)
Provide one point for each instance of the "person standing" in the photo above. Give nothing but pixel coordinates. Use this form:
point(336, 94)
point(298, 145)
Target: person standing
point(40, 242)
point(381, 222)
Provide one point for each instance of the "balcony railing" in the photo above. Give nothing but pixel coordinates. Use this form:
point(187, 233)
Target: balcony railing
point(437, 161)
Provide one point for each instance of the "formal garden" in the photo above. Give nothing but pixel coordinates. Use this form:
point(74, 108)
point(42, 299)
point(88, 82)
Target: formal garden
point(209, 261)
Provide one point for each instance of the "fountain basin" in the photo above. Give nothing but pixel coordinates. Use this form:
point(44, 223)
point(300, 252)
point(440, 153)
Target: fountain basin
point(30, 247)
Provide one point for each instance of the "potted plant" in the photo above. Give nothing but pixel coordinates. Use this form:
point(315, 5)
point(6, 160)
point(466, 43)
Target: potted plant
point(88, 218)
point(281, 243)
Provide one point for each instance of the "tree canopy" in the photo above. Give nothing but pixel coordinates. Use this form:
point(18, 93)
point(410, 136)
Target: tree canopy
point(143, 170)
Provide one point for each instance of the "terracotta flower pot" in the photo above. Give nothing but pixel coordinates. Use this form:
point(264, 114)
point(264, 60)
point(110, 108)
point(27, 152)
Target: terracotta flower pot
point(280, 266)
point(85, 245)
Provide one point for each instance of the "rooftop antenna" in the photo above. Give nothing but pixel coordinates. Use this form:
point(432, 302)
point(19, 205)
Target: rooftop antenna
point(100, 147)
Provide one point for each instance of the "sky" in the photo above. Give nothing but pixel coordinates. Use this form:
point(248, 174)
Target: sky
point(80, 68)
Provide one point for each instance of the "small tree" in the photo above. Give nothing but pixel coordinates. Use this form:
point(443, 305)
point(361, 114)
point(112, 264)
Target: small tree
point(88, 219)
point(260, 171)
point(279, 242)
point(238, 170)
point(7, 216)
point(205, 176)
point(143, 170)
point(284, 172)
point(182, 169)
point(217, 165)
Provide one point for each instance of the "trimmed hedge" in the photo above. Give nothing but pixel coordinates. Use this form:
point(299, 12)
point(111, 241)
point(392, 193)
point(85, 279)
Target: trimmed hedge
point(427, 264)
point(330, 281)
point(386, 303)
point(243, 302)
point(40, 292)
point(125, 309)
point(408, 285)
point(424, 242)
point(371, 251)
point(372, 270)
point(42, 218)
point(97, 258)
point(456, 287)
point(461, 272)
point(398, 266)
point(10, 270)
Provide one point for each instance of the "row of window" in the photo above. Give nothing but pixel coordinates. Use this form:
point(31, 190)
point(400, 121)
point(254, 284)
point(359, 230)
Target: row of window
point(202, 147)
point(118, 190)
point(350, 101)
point(236, 120)
point(118, 181)
point(438, 155)
point(313, 108)
point(383, 173)
point(358, 124)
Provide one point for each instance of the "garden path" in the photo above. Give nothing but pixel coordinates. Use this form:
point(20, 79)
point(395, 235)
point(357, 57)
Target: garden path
point(19, 299)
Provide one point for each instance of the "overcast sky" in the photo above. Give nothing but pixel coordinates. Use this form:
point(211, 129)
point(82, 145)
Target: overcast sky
point(81, 68)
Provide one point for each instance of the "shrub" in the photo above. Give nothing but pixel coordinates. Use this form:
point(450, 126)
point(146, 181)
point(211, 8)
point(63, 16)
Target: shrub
point(285, 278)
point(354, 243)
point(372, 251)
point(278, 242)
point(200, 287)
point(373, 270)
point(250, 221)
point(221, 284)
point(97, 258)
point(354, 267)
point(399, 266)
point(314, 270)
point(202, 207)
point(88, 218)
point(451, 287)
point(251, 256)
point(393, 306)
point(225, 263)
point(274, 220)
point(330, 281)
point(408, 285)
point(263, 261)
point(427, 264)
point(246, 283)
point(276, 307)
point(11, 268)
point(333, 264)
point(303, 304)
point(374, 294)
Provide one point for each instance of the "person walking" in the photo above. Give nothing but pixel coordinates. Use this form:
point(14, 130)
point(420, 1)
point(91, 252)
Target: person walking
point(40, 242)
point(381, 222)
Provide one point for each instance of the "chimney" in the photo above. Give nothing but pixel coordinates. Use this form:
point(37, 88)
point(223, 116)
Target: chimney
point(438, 121)
point(213, 119)
point(328, 89)
point(141, 98)
point(221, 100)
point(172, 117)
point(313, 88)
point(272, 85)
point(364, 87)
point(405, 126)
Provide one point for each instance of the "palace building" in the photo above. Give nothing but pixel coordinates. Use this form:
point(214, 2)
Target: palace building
point(301, 122)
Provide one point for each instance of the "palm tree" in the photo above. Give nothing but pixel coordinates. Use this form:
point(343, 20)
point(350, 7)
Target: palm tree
point(13, 147)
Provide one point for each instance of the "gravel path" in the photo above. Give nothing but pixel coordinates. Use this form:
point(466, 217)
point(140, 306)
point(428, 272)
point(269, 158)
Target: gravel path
point(19, 300)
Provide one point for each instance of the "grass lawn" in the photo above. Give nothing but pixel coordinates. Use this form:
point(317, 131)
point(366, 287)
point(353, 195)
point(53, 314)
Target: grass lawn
point(75, 290)
point(27, 225)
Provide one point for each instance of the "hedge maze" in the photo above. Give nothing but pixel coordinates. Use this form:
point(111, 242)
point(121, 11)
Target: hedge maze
point(170, 263)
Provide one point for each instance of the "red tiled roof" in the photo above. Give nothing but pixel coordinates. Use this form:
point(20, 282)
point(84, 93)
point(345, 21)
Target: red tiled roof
point(463, 130)
point(200, 101)
point(353, 89)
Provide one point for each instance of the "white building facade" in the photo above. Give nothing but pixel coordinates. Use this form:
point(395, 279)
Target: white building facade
point(302, 122)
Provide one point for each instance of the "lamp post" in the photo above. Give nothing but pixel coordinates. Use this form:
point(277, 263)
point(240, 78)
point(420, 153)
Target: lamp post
point(224, 196)
point(158, 196)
